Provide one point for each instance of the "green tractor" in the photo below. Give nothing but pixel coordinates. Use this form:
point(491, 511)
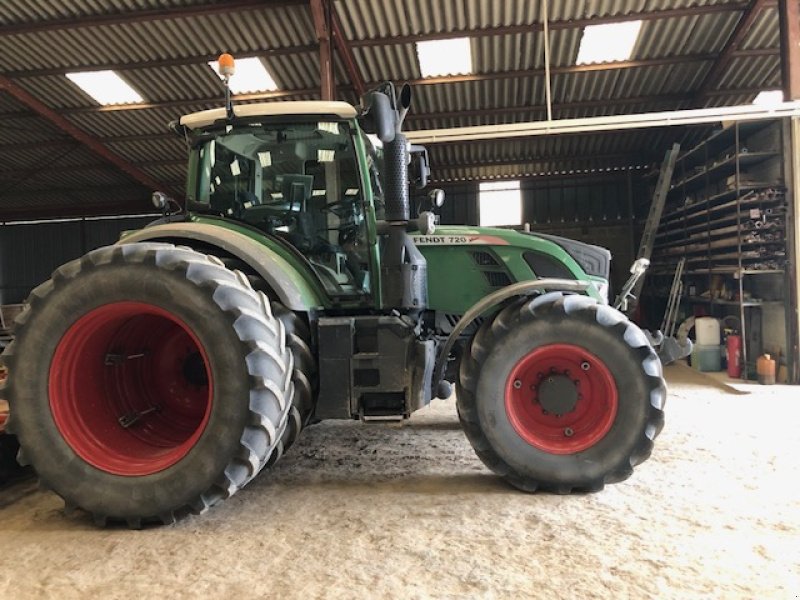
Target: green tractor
point(156, 377)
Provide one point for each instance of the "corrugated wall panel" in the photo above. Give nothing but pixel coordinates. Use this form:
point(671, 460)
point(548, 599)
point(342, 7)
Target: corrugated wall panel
point(30, 253)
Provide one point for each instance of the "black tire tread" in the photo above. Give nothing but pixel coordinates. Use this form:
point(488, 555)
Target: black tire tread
point(305, 373)
point(304, 376)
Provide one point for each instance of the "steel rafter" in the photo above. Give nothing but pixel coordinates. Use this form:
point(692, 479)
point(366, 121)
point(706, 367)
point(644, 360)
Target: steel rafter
point(92, 143)
point(726, 55)
point(141, 16)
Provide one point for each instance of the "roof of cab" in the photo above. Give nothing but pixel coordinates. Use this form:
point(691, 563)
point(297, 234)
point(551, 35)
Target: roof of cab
point(205, 118)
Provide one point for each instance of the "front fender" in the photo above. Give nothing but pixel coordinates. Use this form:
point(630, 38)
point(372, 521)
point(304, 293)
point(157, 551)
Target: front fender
point(291, 287)
point(523, 288)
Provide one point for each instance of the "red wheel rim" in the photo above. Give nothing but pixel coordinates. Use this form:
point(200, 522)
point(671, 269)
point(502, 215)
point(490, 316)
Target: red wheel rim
point(543, 379)
point(130, 388)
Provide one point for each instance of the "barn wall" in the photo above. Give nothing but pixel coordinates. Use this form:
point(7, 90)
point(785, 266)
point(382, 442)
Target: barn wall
point(30, 252)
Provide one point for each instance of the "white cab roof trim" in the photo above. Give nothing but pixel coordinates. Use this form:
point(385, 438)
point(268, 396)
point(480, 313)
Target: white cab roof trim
point(205, 118)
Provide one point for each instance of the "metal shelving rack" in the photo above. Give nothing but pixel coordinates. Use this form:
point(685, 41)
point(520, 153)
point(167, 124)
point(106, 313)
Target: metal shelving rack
point(725, 216)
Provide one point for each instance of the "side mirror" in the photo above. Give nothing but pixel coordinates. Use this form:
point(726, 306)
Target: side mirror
point(159, 200)
point(421, 166)
point(433, 200)
point(162, 201)
point(379, 117)
point(436, 198)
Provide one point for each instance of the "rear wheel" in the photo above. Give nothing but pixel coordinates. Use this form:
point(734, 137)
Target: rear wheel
point(561, 394)
point(147, 382)
point(304, 374)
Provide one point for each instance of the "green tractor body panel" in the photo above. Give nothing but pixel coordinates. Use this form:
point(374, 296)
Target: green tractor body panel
point(289, 276)
point(467, 263)
point(295, 269)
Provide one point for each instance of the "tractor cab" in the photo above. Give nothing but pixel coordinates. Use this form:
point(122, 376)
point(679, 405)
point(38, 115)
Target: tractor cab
point(301, 175)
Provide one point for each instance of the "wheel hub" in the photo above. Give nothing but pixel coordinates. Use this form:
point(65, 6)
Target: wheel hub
point(557, 394)
point(194, 370)
point(561, 398)
point(130, 388)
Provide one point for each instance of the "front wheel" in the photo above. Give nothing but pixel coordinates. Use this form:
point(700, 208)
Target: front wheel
point(562, 394)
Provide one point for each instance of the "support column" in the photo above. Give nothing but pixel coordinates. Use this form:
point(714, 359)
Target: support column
point(321, 12)
point(793, 315)
point(789, 12)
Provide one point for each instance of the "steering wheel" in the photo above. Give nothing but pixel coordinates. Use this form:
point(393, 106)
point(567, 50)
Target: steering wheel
point(335, 207)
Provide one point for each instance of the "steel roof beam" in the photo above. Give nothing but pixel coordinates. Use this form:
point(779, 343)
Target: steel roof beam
point(163, 63)
point(516, 110)
point(346, 54)
point(613, 123)
point(141, 16)
point(159, 14)
point(789, 14)
point(527, 161)
point(566, 70)
point(92, 143)
point(214, 102)
point(241, 5)
point(724, 58)
point(585, 178)
point(69, 141)
point(150, 164)
point(570, 69)
point(506, 111)
point(672, 13)
point(321, 15)
point(343, 48)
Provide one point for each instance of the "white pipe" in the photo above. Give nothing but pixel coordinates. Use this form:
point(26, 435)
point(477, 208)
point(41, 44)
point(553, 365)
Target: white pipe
point(612, 123)
point(547, 92)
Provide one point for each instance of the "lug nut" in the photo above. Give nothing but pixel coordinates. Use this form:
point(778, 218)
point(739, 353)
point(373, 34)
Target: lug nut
point(585, 366)
point(568, 432)
point(517, 384)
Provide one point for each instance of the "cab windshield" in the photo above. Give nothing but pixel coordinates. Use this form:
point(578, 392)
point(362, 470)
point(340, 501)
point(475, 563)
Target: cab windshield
point(297, 181)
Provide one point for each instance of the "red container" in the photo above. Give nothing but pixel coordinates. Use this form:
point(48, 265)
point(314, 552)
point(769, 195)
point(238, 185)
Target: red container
point(734, 347)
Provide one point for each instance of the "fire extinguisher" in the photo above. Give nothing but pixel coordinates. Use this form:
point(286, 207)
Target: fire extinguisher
point(734, 347)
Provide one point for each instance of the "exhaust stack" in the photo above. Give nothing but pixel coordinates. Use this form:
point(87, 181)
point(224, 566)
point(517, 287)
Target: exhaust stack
point(403, 268)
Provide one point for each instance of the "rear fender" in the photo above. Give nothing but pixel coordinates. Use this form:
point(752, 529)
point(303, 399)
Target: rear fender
point(292, 289)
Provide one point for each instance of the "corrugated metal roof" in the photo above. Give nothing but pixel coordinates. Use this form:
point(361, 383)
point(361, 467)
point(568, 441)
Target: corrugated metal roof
point(245, 31)
point(370, 19)
point(164, 59)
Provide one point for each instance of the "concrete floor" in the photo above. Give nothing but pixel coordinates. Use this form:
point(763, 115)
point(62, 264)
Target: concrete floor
point(358, 511)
